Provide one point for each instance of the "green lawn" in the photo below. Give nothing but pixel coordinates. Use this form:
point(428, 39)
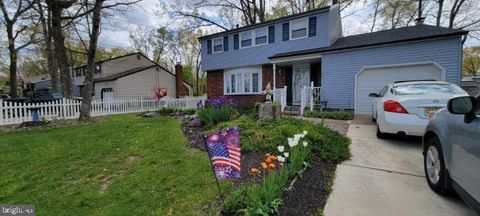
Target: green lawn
point(125, 165)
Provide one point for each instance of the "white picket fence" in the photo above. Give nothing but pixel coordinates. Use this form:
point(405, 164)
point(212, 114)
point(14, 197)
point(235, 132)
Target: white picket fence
point(16, 113)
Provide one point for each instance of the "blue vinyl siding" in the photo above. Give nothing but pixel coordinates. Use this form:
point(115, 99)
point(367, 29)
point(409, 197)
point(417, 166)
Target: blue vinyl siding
point(259, 54)
point(339, 69)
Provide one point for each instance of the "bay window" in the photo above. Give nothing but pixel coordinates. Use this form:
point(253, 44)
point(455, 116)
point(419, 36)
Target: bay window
point(242, 81)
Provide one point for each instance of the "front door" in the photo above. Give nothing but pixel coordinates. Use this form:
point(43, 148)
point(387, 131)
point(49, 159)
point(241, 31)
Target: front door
point(300, 79)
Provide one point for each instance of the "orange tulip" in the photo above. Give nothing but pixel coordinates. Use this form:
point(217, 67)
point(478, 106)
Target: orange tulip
point(268, 160)
point(254, 171)
point(271, 166)
point(264, 165)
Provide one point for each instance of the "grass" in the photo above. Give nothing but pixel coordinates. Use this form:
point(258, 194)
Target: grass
point(265, 136)
point(125, 165)
point(338, 115)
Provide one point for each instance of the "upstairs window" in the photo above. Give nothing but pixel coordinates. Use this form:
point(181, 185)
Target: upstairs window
point(246, 39)
point(78, 72)
point(98, 68)
point(217, 45)
point(298, 28)
point(261, 36)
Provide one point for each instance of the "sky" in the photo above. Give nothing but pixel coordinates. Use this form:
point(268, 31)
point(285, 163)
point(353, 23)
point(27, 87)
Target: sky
point(115, 29)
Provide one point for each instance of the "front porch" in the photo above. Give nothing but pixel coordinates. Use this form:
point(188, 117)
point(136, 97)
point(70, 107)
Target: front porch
point(297, 82)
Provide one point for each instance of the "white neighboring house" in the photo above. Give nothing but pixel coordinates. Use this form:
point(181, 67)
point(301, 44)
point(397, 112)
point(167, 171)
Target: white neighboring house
point(132, 75)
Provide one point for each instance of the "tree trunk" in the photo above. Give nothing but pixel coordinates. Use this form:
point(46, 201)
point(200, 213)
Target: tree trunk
point(60, 50)
point(13, 59)
point(92, 49)
point(48, 51)
point(439, 12)
point(454, 11)
point(375, 14)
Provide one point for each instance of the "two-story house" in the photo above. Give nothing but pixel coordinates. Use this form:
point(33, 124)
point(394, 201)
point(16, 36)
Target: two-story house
point(132, 75)
point(309, 48)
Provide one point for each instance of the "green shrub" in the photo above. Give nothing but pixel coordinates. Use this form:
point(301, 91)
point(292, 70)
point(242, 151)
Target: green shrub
point(330, 115)
point(166, 111)
point(267, 135)
point(211, 116)
point(189, 111)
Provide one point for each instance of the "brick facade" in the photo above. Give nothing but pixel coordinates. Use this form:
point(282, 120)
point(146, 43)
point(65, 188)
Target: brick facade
point(215, 85)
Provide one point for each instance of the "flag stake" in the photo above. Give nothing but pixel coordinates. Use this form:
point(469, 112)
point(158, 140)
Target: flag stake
point(214, 174)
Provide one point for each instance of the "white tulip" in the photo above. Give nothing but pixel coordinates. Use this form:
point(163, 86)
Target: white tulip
point(305, 132)
point(281, 148)
point(305, 144)
point(280, 158)
point(285, 154)
point(291, 144)
point(290, 139)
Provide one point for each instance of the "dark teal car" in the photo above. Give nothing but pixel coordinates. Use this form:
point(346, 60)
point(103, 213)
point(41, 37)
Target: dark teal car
point(451, 149)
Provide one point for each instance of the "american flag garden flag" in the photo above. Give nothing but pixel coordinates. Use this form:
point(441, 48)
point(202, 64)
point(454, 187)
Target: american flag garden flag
point(224, 151)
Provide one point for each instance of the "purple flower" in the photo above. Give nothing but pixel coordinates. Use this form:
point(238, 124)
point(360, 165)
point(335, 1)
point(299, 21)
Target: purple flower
point(196, 123)
point(219, 102)
point(199, 104)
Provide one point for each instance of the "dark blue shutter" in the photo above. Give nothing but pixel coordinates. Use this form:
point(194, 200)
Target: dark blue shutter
point(312, 26)
point(235, 41)
point(209, 46)
point(285, 30)
point(225, 43)
point(271, 34)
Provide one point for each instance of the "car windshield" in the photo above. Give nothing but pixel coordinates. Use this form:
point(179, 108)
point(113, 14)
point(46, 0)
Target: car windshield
point(425, 88)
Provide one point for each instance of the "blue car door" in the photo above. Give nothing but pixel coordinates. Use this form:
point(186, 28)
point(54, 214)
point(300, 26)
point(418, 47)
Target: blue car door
point(465, 166)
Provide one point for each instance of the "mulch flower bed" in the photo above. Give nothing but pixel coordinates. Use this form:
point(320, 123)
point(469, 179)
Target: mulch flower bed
point(309, 193)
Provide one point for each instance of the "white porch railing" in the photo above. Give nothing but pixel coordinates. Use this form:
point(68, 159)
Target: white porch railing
point(280, 95)
point(310, 97)
point(16, 113)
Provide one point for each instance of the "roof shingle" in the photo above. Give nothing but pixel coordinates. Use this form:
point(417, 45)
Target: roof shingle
point(405, 34)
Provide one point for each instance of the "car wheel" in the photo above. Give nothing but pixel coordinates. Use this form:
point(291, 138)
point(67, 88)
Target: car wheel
point(434, 166)
point(380, 135)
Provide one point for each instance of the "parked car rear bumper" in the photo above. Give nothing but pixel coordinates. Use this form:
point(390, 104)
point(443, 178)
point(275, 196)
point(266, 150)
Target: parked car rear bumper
point(409, 124)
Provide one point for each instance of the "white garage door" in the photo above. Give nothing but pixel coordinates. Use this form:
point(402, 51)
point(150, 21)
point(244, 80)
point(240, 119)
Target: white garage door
point(372, 80)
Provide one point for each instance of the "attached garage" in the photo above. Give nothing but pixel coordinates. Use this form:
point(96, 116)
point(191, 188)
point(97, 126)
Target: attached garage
point(373, 78)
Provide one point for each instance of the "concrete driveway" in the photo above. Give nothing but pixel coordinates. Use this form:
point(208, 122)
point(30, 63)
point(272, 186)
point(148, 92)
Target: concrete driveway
point(386, 177)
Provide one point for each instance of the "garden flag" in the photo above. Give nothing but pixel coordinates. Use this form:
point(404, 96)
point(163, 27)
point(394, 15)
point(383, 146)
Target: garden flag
point(224, 150)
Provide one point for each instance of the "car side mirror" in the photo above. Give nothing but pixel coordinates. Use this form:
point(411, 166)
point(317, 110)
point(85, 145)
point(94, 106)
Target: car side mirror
point(373, 95)
point(463, 106)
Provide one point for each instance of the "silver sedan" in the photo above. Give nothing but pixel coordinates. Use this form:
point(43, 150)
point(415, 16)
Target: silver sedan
point(451, 149)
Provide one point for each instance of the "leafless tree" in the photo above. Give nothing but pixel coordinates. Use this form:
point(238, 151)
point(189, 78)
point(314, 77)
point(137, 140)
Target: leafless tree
point(90, 70)
point(15, 28)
